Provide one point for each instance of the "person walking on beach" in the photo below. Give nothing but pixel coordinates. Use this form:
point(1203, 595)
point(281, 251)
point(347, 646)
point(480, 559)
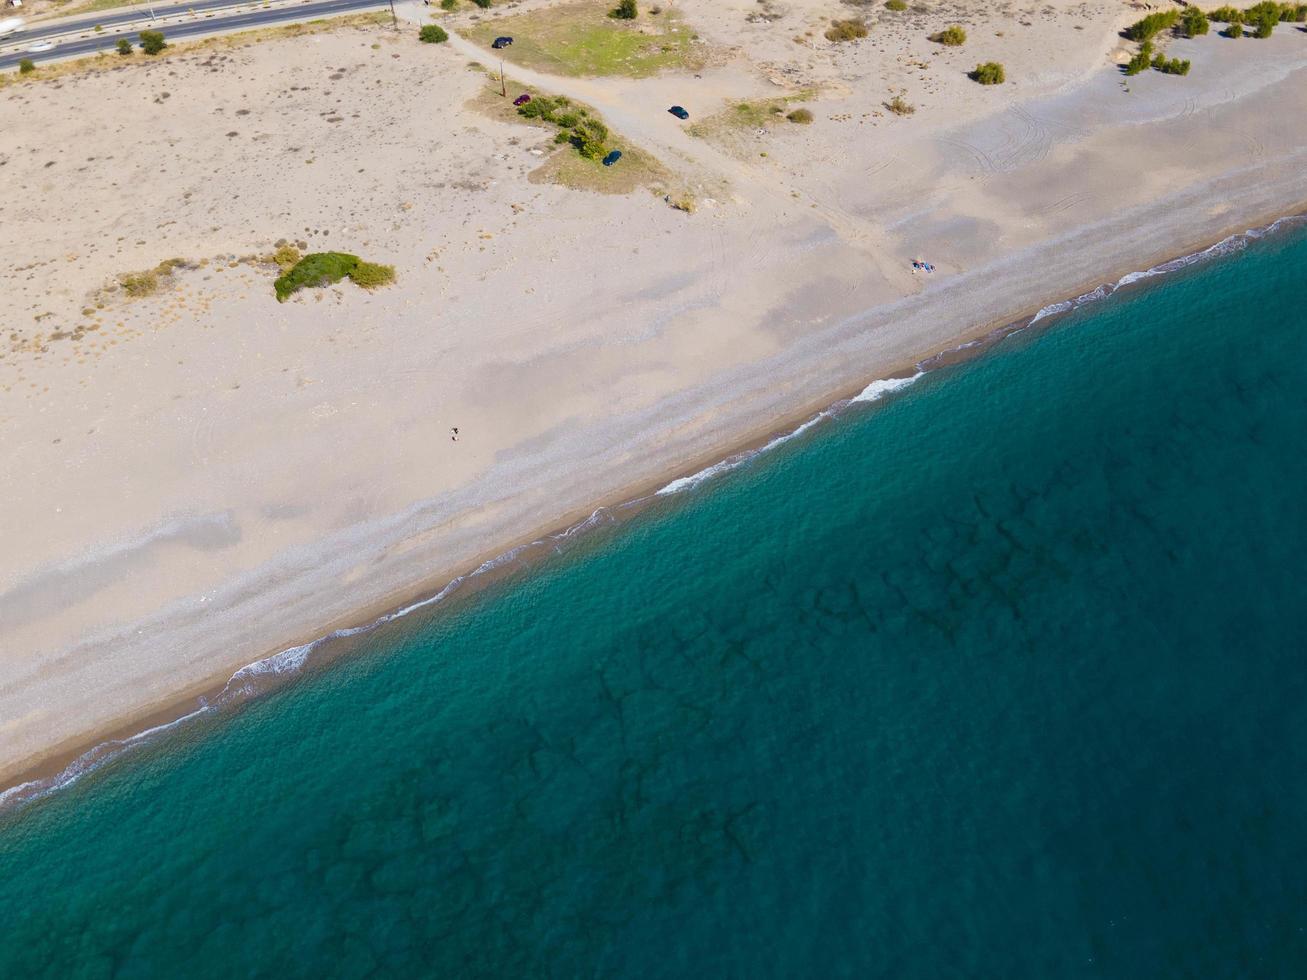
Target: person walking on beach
point(454, 434)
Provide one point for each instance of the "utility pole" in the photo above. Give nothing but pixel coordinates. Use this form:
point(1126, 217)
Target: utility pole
point(503, 86)
point(394, 21)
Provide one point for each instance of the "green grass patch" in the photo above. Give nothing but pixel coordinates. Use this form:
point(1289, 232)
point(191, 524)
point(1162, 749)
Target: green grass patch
point(581, 39)
point(432, 34)
point(320, 269)
point(731, 127)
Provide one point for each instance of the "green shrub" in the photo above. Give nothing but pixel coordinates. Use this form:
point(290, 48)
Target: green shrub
point(26, 65)
point(371, 275)
point(1171, 66)
point(448, 4)
point(898, 6)
point(625, 10)
point(318, 269)
point(432, 34)
point(801, 116)
point(952, 37)
point(1142, 60)
point(1226, 15)
point(543, 107)
point(1233, 29)
point(1152, 25)
point(1262, 17)
point(990, 73)
point(483, 4)
point(1194, 22)
point(152, 42)
point(124, 46)
point(846, 30)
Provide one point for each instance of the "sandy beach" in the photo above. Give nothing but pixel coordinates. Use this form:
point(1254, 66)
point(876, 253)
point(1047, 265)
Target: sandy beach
point(200, 477)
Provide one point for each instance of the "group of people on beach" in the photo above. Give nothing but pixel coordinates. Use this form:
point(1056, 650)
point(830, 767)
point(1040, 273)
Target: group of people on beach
point(918, 265)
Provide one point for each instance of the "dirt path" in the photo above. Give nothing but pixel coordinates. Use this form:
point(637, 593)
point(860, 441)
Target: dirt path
point(637, 108)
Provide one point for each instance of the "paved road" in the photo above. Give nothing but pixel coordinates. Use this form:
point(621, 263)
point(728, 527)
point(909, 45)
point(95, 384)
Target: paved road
point(112, 18)
point(236, 20)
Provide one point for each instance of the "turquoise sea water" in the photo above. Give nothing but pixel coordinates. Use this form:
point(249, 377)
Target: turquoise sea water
point(1005, 677)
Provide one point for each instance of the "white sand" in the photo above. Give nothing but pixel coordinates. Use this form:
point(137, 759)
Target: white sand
point(210, 476)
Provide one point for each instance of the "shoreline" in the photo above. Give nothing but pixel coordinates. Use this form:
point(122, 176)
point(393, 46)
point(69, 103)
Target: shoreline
point(63, 765)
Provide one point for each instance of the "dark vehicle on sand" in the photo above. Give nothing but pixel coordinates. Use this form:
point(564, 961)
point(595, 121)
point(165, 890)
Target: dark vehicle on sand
point(679, 112)
point(501, 42)
point(522, 99)
point(612, 158)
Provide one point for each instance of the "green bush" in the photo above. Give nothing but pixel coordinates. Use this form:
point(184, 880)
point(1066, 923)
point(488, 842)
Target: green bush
point(952, 37)
point(432, 34)
point(898, 6)
point(543, 107)
point(1194, 22)
point(483, 4)
point(1226, 15)
point(324, 268)
point(124, 46)
point(26, 65)
point(1171, 66)
point(448, 4)
point(1152, 25)
point(1233, 29)
point(990, 73)
point(801, 116)
point(152, 42)
point(318, 269)
point(625, 10)
point(1142, 60)
point(846, 30)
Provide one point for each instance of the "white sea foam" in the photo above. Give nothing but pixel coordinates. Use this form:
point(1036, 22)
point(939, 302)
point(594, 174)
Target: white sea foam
point(1067, 305)
point(877, 390)
point(739, 459)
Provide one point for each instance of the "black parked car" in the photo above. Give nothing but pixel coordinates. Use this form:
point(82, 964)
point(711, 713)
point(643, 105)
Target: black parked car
point(502, 42)
point(678, 112)
point(612, 158)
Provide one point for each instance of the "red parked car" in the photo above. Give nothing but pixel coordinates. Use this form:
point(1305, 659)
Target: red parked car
point(522, 99)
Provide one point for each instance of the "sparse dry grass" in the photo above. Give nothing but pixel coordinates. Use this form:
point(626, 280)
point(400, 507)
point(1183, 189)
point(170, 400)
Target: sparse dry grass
point(137, 285)
point(581, 39)
point(900, 106)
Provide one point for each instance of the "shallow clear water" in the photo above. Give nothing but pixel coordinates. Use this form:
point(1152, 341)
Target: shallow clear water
point(1003, 678)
